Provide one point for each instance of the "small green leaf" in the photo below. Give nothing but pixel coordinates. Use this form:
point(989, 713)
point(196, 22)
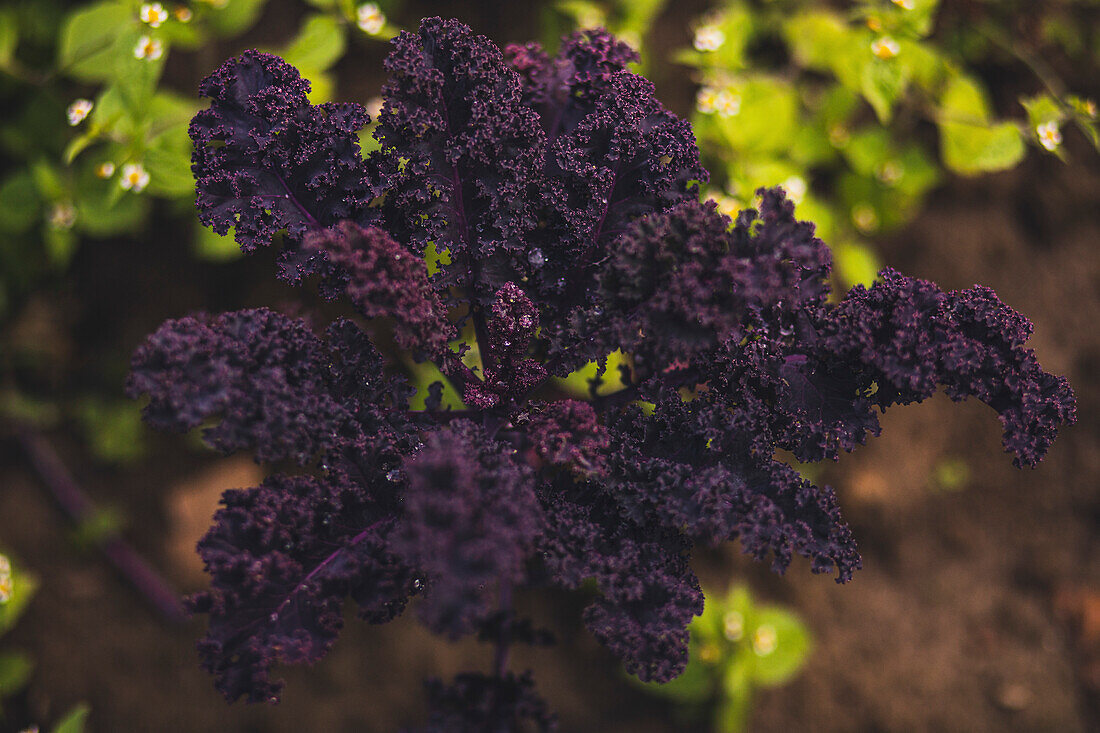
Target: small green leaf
point(168, 160)
point(695, 685)
point(99, 526)
point(780, 644)
point(584, 14)
point(423, 375)
point(209, 245)
point(766, 117)
point(882, 82)
point(9, 38)
point(23, 587)
point(964, 101)
point(235, 17)
point(74, 720)
point(15, 670)
point(91, 40)
point(971, 150)
point(104, 209)
point(113, 429)
point(951, 474)
point(1042, 109)
point(20, 203)
point(319, 44)
point(577, 383)
point(60, 245)
point(78, 145)
point(436, 259)
point(855, 263)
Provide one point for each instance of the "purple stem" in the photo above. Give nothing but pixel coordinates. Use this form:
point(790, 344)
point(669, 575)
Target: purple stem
point(80, 508)
point(294, 200)
point(325, 563)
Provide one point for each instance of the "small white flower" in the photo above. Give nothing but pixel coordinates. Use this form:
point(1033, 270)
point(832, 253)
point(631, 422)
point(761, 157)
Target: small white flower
point(183, 14)
point(1050, 137)
point(727, 103)
point(5, 579)
point(795, 186)
point(706, 100)
point(134, 177)
point(864, 217)
point(370, 19)
point(63, 215)
point(885, 47)
point(904, 4)
point(708, 38)
point(106, 169)
point(733, 625)
point(709, 100)
point(890, 172)
point(153, 14)
point(79, 110)
point(765, 640)
point(149, 49)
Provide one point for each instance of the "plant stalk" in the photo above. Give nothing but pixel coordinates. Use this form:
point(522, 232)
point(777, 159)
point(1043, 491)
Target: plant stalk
point(76, 504)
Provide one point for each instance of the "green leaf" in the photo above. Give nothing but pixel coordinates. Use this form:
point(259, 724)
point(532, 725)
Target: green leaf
point(434, 259)
point(964, 101)
point(971, 150)
point(422, 376)
point(882, 82)
point(951, 474)
point(209, 245)
point(969, 142)
point(104, 210)
point(48, 180)
point(74, 720)
point(577, 383)
point(20, 203)
point(766, 120)
point(113, 429)
point(235, 17)
point(168, 160)
point(24, 585)
point(868, 149)
point(919, 19)
point(78, 145)
point(1041, 109)
point(101, 525)
point(781, 644)
point(60, 245)
point(855, 263)
point(696, 684)
point(822, 41)
point(137, 80)
point(584, 14)
point(92, 40)
point(319, 44)
point(9, 38)
point(15, 670)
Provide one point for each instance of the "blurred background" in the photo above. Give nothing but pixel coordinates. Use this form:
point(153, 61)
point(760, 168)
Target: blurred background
point(954, 140)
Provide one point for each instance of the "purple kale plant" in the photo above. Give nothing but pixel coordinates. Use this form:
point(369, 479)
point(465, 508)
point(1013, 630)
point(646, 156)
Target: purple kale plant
point(565, 196)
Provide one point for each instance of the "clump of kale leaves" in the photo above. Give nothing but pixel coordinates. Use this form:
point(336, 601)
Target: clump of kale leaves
point(566, 198)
